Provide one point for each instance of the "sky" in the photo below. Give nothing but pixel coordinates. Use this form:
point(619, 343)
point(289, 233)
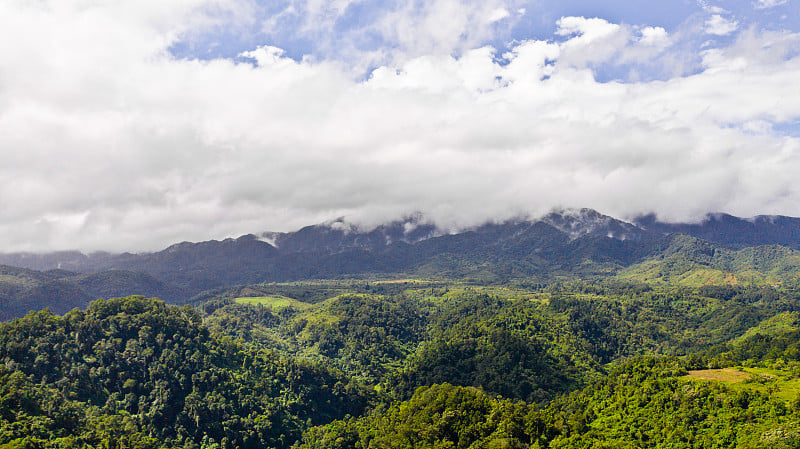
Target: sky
point(129, 126)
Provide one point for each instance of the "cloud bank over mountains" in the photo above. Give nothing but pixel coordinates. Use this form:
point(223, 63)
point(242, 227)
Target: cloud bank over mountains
point(121, 133)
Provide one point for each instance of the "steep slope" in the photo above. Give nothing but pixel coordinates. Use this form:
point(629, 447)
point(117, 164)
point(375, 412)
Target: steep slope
point(693, 262)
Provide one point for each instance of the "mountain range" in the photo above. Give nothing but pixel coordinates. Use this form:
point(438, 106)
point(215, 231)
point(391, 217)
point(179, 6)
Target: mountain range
point(562, 244)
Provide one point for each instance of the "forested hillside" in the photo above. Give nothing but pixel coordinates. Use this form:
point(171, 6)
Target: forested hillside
point(573, 331)
point(411, 364)
point(155, 370)
point(23, 290)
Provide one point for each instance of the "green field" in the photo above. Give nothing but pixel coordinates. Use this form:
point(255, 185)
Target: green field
point(779, 384)
point(274, 302)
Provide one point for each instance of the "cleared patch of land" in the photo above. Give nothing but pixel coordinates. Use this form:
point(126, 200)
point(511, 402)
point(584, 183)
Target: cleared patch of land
point(776, 383)
point(724, 375)
point(275, 302)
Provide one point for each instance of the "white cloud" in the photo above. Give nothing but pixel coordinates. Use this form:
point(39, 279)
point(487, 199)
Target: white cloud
point(267, 56)
point(109, 143)
point(440, 27)
point(590, 40)
point(764, 4)
point(720, 26)
point(585, 30)
point(498, 15)
point(711, 9)
point(654, 37)
point(646, 48)
point(404, 29)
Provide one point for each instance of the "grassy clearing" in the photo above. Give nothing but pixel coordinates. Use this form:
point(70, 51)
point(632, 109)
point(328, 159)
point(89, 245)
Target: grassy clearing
point(275, 302)
point(776, 383)
point(729, 375)
point(776, 325)
point(698, 277)
point(691, 275)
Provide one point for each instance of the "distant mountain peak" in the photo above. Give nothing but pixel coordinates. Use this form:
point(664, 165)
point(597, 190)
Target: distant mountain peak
point(768, 219)
point(340, 224)
point(340, 235)
point(589, 222)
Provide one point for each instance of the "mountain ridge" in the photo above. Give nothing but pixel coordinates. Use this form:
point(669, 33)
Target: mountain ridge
point(339, 234)
point(565, 243)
